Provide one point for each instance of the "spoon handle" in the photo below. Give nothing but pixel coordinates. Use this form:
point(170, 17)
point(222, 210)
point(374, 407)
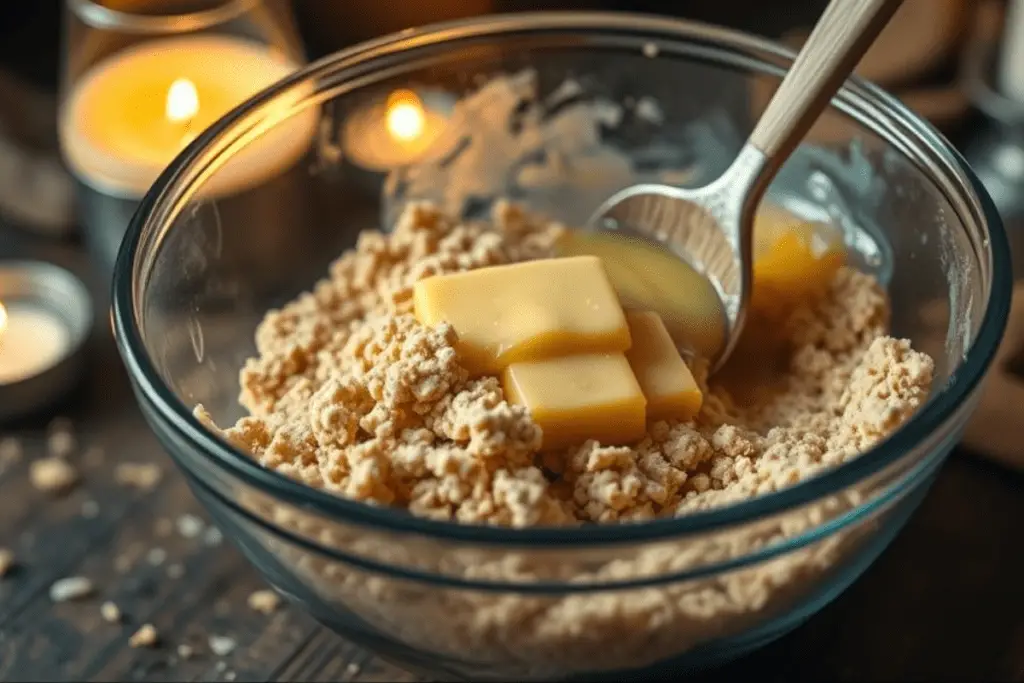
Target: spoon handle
point(840, 38)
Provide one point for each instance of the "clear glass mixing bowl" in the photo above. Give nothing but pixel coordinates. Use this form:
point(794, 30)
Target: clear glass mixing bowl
point(611, 98)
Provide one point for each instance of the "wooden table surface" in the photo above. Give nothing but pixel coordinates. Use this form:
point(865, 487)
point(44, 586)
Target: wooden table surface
point(945, 602)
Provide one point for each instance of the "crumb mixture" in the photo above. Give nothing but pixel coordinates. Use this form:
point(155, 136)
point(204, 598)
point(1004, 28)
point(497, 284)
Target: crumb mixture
point(352, 395)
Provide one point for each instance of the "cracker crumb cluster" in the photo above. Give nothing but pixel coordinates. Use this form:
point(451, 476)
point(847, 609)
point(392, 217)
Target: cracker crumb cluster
point(351, 394)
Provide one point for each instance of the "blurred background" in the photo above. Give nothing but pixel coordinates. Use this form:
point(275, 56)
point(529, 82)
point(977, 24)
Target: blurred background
point(920, 57)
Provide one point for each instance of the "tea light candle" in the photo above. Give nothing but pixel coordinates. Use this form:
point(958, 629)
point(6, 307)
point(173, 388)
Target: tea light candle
point(32, 340)
point(45, 318)
point(132, 113)
point(396, 131)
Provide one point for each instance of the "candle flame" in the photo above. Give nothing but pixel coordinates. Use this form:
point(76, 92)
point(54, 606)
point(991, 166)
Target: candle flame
point(405, 116)
point(182, 101)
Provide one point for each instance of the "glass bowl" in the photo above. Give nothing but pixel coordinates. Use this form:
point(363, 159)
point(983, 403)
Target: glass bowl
point(661, 98)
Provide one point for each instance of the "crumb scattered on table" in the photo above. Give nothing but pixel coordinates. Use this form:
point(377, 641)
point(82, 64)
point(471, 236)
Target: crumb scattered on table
point(53, 475)
point(185, 651)
point(146, 636)
point(212, 537)
point(71, 588)
point(189, 526)
point(222, 645)
point(156, 556)
point(264, 601)
point(139, 475)
point(110, 612)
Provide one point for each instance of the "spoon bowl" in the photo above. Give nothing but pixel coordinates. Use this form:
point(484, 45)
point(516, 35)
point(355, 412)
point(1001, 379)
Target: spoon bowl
point(711, 227)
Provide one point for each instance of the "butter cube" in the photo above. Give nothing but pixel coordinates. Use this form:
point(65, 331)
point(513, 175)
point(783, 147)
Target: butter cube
point(525, 311)
point(663, 376)
point(580, 397)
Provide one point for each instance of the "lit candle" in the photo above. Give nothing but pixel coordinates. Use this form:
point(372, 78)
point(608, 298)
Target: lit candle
point(396, 131)
point(32, 340)
point(133, 112)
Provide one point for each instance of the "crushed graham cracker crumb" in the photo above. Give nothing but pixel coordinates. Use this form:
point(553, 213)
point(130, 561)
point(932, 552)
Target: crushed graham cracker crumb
point(71, 588)
point(53, 475)
point(146, 636)
point(110, 612)
point(222, 646)
point(351, 395)
point(264, 601)
point(189, 526)
point(139, 475)
point(156, 556)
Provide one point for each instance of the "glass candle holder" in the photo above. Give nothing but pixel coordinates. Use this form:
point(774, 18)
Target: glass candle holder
point(141, 79)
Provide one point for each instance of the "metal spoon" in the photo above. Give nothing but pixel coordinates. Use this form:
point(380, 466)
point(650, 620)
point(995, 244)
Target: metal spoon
point(711, 227)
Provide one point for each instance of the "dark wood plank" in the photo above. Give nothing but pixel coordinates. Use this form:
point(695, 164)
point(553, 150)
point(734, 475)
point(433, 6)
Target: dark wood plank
point(48, 533)
point(326, 657)
point(186, 588)
point(943, 603)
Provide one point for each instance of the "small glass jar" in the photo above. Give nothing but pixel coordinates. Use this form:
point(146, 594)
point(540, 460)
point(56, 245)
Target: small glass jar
point(140, 80)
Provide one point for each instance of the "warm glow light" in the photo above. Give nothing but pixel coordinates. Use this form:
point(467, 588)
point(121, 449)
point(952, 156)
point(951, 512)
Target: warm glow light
point(3, 320)
point(182, 101)
point(405, 118)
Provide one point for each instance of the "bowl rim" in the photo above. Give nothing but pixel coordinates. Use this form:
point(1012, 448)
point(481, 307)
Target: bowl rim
point(151, 389)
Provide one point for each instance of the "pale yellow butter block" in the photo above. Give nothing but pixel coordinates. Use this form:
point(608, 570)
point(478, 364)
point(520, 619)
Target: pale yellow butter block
point(664, 378)
point(525, 311)
point(579, 397)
